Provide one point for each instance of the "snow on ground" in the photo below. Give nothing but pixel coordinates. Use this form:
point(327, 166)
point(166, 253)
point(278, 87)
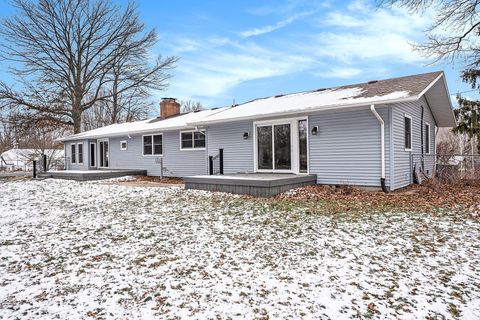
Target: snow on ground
point(79, 250)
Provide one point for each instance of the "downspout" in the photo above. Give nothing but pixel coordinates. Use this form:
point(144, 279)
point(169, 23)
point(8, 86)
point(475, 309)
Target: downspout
point(382, 143)
point(422, 141)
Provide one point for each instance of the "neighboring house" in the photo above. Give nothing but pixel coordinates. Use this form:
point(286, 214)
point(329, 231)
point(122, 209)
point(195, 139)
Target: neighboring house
point(366, 134)
point(22, 159)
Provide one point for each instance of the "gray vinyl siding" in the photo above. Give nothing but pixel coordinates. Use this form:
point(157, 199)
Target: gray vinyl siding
point(176, 162)
point(237, 151)
point(347, 148)
point(402, 158)
point(68, 155)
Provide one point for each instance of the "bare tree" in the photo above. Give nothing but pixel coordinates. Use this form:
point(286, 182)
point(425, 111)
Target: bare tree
point(191, 105)
point(6, 134)
point(64, 54)
point(454, 31)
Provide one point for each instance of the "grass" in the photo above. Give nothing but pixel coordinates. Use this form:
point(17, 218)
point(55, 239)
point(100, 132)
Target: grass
point(91, 250)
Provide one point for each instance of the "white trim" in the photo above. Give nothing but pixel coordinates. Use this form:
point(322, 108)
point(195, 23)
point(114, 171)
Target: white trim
point(449, 102)
point(429, 137)
point(294, 145)
point(153, 145)
point(411, 133)
point(193, 139)
point(95, 155)
point(429, 86)
point(107, 140)
point(305, 112)
point(78, 153)
point(126, 145)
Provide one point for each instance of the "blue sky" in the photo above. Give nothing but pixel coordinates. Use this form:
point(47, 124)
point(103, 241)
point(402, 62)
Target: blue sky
point(248, 49)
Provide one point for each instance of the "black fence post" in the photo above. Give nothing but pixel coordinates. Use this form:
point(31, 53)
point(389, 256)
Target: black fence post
point(221, 160)
point(34, 169)
point(210, 165)
point(44, 163)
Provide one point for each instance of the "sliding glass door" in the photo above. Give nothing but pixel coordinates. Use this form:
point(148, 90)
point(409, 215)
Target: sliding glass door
point(274, 147)
point(282, 146)
point(103, 153)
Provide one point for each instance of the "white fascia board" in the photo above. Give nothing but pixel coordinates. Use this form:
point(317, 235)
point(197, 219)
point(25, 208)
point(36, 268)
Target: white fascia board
point(120, 134)
point(306, 111)
point(429, 86)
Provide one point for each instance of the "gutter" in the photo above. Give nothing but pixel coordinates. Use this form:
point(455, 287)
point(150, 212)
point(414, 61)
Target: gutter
point(124, 133)
point(333, 107)
point(382, 143)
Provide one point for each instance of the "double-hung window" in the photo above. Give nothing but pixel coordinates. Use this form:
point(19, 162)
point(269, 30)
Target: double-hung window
point(80, 153)
point(73, 155)
point(408, 133)
point(427, 138)
point(192, 139)
point(153, 144)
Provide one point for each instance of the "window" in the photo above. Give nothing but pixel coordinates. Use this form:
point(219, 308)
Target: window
point(123, 145)
point(427, 138)
point(193, 139)
point(80, 153)
point(153, 145)
point(408, 133)
point(73, 156)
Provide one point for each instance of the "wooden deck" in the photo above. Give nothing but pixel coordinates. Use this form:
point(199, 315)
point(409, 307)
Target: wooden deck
point(84, 175)
point(255, 184)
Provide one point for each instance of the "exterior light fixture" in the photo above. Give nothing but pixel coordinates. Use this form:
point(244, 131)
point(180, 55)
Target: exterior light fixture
point(314, 131)
point(245, 135)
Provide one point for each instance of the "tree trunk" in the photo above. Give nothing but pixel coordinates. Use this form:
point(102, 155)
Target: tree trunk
point(77, 119)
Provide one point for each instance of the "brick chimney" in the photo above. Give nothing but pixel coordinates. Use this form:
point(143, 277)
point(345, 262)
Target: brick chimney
point(169, 107)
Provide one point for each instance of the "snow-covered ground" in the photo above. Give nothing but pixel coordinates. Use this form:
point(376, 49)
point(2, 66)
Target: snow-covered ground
point(79, 250)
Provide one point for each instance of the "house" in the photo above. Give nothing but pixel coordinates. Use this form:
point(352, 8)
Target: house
point(373, 134)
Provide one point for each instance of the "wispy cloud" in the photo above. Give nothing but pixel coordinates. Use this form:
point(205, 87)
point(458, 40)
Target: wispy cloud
point(363, 32)
point(273, 27)
point(359, 42)
point(341, 73)
point(220, 64)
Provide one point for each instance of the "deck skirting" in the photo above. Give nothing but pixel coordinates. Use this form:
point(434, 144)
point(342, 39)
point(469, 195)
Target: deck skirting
point(91, 174)
point(258, 185)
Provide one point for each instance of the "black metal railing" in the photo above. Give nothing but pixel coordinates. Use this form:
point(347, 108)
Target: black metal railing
point(215, 163)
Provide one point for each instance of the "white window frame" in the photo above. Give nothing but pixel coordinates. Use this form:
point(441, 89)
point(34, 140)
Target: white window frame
point(295, 147)
point(426, 124)
point(411, 132)
point(193, 140)
point(73, 158)
point(126, 145)
point(153, 145)
point(78, 153)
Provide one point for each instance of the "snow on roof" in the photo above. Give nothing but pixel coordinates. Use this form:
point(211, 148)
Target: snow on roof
point(150, 125)
point(372, 92)
point(409, 88)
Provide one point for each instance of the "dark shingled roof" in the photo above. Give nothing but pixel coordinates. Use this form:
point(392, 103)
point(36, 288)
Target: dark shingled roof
point(414, 84)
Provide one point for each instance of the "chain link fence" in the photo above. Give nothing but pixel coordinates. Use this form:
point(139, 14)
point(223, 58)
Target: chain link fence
point(445, 167)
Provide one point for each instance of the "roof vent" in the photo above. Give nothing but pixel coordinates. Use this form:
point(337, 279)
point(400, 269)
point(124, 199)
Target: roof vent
point(372, 81)
point(279, 95)
point(321, 89)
